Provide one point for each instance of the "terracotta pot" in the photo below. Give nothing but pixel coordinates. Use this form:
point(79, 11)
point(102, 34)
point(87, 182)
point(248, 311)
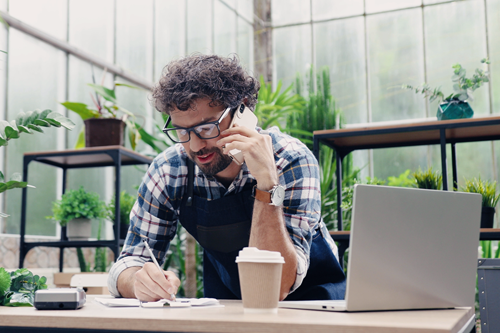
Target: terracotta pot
point(104, 132)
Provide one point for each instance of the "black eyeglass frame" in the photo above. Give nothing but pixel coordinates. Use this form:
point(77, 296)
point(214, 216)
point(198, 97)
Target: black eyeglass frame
point(192, 129)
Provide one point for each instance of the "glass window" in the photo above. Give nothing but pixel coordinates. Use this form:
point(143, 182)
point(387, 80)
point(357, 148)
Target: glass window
point(245, 43)
point(170, 33)
point(395, 57)
point(375, 6)
point(224, 30)
point(35, 82)
point(493, 11)
point(290, 11)
point(291, 53)
point(199, 26)
point(340, 45)
point(328, 9)
point(245, 9)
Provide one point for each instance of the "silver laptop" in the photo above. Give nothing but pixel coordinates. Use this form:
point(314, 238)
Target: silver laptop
point(409, 249)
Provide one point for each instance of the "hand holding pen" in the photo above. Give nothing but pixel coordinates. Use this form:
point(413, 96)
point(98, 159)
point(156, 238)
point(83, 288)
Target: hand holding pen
point(171, 290)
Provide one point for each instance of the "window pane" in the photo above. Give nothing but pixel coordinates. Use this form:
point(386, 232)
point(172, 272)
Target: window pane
point(394, 161)
point(328, 9)
point(291, 53)
point(170, 34)
point(224, 30)
point(35, 82)
point(245, 43)
point(340, 45)
point(375, 6)
point(199, 30)
point(493, 10)
point(245, 9)
point(290, 11)
point(395, 52)
point(449, 41)
point(428, 2)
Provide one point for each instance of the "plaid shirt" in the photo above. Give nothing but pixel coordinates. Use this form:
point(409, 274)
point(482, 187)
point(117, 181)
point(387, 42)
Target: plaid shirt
point(156, 210)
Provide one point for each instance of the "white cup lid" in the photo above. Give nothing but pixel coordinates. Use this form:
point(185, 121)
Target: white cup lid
point(253, 254)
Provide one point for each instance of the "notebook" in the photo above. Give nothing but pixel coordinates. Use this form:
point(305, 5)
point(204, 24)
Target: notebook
point(409, 249)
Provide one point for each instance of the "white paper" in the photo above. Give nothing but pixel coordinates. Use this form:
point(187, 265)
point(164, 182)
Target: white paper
point(181, 303)
point(118, 301)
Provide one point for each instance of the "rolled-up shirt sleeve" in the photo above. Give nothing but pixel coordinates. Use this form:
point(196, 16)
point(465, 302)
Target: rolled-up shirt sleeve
point(153, 217)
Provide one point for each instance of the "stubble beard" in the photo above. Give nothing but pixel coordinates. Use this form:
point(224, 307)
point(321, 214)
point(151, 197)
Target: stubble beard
point(219, 163)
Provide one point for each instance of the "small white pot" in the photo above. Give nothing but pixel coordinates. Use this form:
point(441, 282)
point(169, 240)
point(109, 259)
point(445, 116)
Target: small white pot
point(78, 229)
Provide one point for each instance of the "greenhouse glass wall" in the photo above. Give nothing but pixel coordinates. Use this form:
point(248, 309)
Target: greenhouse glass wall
point(369, 47)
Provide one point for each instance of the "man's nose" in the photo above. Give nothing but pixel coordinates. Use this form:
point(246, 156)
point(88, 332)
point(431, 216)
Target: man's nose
point(196, 144)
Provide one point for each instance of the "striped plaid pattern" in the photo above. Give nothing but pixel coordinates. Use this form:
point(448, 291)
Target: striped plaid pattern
point(156, 210)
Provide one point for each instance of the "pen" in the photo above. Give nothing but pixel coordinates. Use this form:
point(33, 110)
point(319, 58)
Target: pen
point(154, 260)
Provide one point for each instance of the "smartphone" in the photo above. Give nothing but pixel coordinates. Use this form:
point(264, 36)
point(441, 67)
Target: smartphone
point(243, 117)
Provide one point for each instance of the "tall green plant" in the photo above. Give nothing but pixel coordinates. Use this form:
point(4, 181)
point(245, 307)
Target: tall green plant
point(321, 112)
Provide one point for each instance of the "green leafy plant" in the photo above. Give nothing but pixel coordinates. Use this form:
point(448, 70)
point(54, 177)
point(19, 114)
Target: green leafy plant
point(487, 189)
point(462, 88)
point(18, 288)
point(126, 203)
point(29, 123)
point(273, 106)
point(427, 179)
point(76, 204)
point(106, 106)
point(403, 180)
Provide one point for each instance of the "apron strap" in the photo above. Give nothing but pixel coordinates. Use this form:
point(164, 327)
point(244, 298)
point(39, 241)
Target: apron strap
point(190, 165)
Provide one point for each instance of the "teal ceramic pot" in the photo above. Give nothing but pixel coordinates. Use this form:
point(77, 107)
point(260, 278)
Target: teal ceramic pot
point(454, 109)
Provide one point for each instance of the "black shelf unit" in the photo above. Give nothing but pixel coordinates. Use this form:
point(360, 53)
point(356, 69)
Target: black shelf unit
point(106, 156)
point(430, 132)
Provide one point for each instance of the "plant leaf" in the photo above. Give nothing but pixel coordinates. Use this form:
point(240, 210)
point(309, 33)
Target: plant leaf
point(80, 142)
point(41, 122)
point(35, 128)
point(81, 109)
point(108, 94)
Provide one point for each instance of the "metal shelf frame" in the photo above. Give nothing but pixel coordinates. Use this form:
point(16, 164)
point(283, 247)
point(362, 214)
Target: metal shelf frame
point(114, 156)
point(430, 132)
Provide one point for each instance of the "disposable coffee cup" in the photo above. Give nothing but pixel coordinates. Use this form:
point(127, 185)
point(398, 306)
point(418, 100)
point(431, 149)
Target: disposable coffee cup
point(260, 279)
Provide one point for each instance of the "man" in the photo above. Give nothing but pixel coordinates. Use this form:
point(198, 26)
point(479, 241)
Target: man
point(213, 198)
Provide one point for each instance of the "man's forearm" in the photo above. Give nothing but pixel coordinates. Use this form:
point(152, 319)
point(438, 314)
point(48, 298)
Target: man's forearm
point(126, 280)
point(269, 233)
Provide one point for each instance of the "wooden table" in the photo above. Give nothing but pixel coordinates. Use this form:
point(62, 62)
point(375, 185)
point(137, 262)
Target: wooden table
point(94, 317)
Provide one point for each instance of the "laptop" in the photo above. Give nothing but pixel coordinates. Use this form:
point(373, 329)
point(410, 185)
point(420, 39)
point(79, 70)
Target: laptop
point(409, 249)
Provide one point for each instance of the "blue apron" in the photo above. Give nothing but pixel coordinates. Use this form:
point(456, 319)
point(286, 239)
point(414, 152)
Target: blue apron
point(222, 228)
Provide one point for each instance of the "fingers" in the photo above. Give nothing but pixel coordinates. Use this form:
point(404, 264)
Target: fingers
point(151, 285)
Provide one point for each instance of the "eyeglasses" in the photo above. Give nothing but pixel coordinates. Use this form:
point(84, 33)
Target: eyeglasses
point(204, 131)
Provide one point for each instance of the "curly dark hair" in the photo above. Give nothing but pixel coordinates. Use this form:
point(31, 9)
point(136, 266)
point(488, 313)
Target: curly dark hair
point(223, 80)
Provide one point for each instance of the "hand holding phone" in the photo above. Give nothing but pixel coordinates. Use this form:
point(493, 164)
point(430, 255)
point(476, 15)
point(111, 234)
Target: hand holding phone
point(243, 117)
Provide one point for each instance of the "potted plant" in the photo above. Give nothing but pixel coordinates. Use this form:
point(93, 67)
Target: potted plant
point(488, 191)
point(427, 179)
point(126, 203)
point(456, 105)
point(105, 123)
point(75, 209)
